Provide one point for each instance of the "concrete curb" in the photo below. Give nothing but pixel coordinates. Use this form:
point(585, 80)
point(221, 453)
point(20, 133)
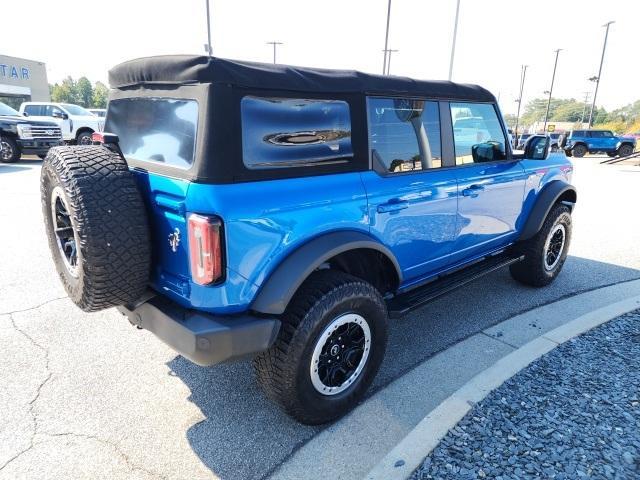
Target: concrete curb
point(408, 455)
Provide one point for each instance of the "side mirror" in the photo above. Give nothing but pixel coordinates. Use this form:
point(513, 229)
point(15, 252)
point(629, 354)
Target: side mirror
point(61, 115)
point(537, 147)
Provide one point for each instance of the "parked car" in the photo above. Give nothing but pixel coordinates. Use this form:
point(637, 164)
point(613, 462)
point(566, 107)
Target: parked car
point(100, 112)
point(77, 123)
point(522, 140)
point(19, 135)
point(241, 209)
point(580, 142)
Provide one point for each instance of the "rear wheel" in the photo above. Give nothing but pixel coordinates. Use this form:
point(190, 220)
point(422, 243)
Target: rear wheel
point(96, 226)
point(546, 252)
point(330, 346)
point(625, 150)
point(84, 139)
point(9, 150)
point(579, 151)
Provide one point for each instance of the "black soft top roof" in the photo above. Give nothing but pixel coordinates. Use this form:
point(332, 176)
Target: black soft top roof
point(197, 69)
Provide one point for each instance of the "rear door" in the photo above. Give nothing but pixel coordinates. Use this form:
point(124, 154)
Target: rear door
point(411, 194)
point(490, 183)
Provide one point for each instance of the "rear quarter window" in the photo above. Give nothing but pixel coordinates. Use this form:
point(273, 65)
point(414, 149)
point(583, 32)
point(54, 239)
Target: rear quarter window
point(158, 130)
point(294, 132)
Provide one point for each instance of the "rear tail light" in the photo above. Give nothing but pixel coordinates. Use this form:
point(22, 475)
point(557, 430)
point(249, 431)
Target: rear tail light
point(205, 249)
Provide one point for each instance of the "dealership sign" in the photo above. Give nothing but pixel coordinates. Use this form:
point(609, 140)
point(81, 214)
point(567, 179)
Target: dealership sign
point(11, 71)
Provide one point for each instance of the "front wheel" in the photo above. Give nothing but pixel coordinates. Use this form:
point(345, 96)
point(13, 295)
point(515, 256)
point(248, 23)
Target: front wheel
point(546, 252)
point(329, 349)
point(9, 150)
point(625, 150)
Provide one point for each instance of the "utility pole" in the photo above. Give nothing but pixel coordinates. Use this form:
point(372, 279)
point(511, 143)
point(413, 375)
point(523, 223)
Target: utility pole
point(388, 65)
point(523, 74)
point(386, 39)
point(208, 45)
point(275, 44)
point(553, 78)
point(453, 44)
point(595, 93)
point(584, 108)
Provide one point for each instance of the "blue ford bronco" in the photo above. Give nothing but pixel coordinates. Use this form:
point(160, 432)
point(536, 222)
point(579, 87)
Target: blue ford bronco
point(580, 142)
point(240, 209)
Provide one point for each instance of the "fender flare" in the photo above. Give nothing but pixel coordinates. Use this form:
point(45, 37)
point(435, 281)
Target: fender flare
point(278, 289)
point(546, 199)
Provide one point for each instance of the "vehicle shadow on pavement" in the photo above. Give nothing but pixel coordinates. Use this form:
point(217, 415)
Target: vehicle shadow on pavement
point(245, 436)
point(9, 168)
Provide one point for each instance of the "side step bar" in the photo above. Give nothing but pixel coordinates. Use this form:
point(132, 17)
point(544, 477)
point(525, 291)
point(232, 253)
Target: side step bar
point(405, 302)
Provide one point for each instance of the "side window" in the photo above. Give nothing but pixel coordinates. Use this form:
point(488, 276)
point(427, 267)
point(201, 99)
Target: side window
point(33, 110)
point(294, 132)
point(477, 133)
point(404, 134)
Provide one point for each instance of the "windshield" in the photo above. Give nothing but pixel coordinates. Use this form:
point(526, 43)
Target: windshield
point(7, 110)
point(76, 110)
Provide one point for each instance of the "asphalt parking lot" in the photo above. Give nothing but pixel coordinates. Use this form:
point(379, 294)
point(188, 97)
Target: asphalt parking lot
point(87, 396)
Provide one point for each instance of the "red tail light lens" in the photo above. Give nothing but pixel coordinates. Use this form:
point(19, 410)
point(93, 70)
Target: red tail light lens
point(205, 249)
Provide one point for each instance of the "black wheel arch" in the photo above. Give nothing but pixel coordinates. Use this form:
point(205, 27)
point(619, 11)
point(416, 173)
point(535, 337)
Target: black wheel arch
point(82, 130)
point(278, 289)
point(556, 191)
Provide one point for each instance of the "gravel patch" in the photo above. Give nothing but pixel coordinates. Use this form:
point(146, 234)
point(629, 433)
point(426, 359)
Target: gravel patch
point(574, 413)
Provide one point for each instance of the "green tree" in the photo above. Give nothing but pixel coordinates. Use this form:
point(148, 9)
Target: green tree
point(100, 95)
point(66, 92)
point(84, 92)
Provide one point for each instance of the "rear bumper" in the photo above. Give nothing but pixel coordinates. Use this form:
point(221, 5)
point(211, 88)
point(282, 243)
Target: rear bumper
point(203, 338)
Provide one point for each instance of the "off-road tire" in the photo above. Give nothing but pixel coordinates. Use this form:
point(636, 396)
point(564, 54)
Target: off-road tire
point(11, 144)
point(84, 138)
point(579, 151)
point(625, 150)
point(612, 154)
point(531, 270)
point(283, 371)
point(109, 223)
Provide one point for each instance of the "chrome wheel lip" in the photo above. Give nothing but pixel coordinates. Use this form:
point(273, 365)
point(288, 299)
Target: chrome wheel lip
point(557, 249)
point(58, 194)
point(326, 333)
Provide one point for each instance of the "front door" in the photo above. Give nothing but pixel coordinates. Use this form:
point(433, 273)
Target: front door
point(602, 140)
point(490, 185)
point(411, 198)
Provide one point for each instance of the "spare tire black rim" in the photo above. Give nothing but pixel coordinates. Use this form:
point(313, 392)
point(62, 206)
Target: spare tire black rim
point(340, 354)
point(63, 230)
point(554, 246)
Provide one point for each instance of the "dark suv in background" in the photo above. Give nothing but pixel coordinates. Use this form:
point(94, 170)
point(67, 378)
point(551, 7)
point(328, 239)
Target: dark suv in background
point(19, 135)
point(580, 142)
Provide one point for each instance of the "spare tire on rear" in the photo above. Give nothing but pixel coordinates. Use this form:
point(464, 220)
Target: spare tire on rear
point(96, 225)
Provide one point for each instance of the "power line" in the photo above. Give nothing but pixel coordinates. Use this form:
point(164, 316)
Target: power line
point(275, 44)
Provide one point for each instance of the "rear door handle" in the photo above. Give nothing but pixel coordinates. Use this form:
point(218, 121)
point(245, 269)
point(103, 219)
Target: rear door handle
point(472, 190)
point(393, 206)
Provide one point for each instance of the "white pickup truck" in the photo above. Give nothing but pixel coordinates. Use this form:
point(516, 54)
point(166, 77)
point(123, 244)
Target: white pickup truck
point(77, 123)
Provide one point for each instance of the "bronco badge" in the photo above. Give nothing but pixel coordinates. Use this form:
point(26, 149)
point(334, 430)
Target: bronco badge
point(174, 240)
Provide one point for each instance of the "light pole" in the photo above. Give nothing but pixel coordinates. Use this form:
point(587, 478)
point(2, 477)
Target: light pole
point(553, 78)
point(275, 44)
point(455, 35)
point(523, 74)
point(386, 39)
point(208, 45)
point(595, 93)
point(388, 66)
point(584, 108)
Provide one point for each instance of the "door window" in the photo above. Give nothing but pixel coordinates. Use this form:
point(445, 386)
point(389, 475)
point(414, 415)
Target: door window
point(404, 134)
point(601, 134)
point(477, 133)
point(34, 110)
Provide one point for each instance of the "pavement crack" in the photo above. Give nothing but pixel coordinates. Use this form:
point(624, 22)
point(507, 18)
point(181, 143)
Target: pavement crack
point(51, 300)
point(492, 337)
point(127, 460)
